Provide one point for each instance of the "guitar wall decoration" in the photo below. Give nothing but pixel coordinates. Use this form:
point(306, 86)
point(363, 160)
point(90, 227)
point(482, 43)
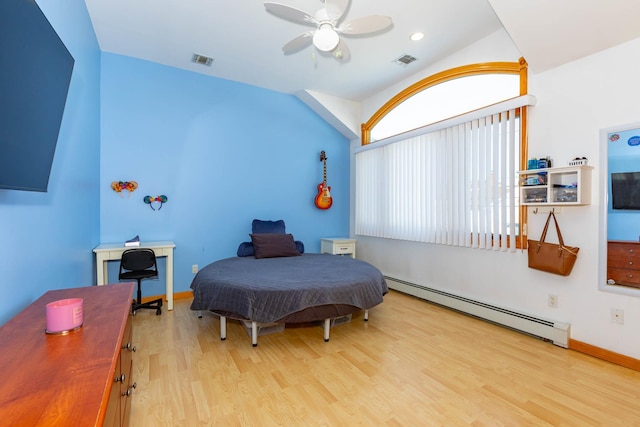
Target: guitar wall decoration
point(323, 199)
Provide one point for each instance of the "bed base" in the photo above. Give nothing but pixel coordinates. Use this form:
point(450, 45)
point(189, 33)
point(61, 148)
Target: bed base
point(254, 328)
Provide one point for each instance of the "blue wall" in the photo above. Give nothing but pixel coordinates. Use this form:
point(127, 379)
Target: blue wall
point(623, 224)
point(47, 237)
point(223, 153)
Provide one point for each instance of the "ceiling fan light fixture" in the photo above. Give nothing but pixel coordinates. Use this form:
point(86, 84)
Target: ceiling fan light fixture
point(326, 38)
point(417, 36)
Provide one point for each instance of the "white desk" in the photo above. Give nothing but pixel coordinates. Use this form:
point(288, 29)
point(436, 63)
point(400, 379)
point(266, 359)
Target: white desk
point(113, 251)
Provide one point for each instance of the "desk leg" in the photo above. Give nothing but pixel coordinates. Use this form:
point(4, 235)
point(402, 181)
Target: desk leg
point(169, 288)
point(101, 270)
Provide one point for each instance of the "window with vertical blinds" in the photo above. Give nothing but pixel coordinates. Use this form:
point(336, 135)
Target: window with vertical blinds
point(452, 183)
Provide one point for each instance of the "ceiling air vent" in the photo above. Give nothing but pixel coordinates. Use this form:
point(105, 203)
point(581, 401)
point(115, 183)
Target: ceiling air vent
point(201, 59)
point(404, 60)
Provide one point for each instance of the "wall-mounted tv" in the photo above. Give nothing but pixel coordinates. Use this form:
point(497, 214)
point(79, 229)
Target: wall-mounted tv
point(35, 73)
point(625, 190)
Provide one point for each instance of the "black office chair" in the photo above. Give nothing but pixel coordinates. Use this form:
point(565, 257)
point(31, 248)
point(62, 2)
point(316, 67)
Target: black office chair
point(138, 264)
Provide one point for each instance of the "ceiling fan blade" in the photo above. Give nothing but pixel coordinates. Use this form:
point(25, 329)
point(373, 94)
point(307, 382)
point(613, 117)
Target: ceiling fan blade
point(290, 13)
point(336, 8)
point(366, 25)
point(298, 43)
point(342, 52)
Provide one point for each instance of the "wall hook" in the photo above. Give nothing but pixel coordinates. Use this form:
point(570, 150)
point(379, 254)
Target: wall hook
point(536, 211)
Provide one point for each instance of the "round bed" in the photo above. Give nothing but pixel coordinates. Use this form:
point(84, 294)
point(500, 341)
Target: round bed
point(287, 289)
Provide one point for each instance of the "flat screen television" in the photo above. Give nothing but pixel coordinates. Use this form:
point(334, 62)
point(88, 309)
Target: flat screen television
point(625, 190)
point(35, 73)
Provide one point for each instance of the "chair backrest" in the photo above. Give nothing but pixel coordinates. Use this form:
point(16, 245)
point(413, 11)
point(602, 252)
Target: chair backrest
point(138, 259)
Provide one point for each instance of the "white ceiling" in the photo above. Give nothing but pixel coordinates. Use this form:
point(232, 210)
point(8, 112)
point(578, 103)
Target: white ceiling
point(246, 41)
point(550, 33)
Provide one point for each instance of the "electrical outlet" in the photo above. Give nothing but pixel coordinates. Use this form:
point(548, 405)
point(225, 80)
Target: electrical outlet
point(617, 316)
point(552, 301)
point(194, 268)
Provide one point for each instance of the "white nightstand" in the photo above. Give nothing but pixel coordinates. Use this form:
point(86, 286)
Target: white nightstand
point(338, 246)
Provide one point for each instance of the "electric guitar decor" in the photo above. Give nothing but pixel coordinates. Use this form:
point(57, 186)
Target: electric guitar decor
point(323, 199)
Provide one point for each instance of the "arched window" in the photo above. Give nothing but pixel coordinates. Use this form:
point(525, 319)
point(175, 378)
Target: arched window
point(448, 173)
point(446, 87)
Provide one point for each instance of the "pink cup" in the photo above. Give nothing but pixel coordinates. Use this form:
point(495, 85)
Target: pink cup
point(64, 315)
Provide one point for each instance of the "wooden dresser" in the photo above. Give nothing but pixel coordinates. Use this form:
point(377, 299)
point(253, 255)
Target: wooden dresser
point(623, 263)
point(82, 378)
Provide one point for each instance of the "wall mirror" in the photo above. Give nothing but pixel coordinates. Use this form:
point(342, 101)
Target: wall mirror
point(620, 224)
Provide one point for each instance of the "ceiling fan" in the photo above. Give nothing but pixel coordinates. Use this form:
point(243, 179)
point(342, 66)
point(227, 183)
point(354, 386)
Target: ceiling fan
point(327, 35)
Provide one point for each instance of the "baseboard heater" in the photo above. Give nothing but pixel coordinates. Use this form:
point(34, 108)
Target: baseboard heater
point(556, 332)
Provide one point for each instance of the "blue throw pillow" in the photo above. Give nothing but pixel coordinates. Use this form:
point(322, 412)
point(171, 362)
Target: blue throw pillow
point(267, 227)
point(246, 249)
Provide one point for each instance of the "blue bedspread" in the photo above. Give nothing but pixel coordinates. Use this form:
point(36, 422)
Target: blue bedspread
point(267, 290)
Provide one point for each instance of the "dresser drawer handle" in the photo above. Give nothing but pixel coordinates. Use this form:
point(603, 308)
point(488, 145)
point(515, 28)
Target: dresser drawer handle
point(129, 390)
point(631, 251)
point(630, 262)
point(630, 276)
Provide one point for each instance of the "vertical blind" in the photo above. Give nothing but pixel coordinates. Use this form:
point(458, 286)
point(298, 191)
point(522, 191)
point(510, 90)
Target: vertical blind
point(455, 185)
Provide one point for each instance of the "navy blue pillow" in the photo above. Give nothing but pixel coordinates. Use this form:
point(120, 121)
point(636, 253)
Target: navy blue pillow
point(267, 227)
point(246, 248)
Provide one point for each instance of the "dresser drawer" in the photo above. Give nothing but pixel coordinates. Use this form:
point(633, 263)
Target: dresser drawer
point(624, 276)
point(623, 249)
point(627, 262)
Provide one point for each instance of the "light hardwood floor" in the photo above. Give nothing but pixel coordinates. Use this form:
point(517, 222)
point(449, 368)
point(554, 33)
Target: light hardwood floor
point(412, 364)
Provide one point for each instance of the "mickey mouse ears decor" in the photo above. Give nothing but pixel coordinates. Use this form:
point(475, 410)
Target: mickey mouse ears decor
point(120, 186)
point(157, 200)
point(154, 202)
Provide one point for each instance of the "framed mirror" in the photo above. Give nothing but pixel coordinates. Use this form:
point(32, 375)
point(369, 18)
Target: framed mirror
point(620, 215)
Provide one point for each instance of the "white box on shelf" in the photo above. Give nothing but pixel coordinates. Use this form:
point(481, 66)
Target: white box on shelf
point(578, 162)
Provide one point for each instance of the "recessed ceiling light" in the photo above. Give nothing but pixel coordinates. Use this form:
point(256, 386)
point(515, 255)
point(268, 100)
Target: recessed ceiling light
point(417, 36)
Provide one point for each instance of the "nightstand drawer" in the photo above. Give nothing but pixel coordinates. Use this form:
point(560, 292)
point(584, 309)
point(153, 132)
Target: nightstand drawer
point(344, 249)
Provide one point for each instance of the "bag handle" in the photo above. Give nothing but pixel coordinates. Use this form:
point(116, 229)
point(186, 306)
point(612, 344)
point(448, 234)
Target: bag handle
point(546, 227)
